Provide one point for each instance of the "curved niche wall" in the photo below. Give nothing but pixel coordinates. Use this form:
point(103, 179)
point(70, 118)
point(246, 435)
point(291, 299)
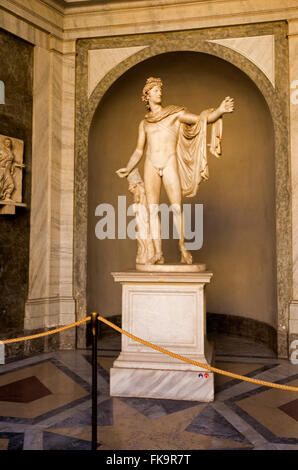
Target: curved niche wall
point(238, 199)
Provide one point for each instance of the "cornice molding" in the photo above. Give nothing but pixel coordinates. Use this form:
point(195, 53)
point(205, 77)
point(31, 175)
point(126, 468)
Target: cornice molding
point(46, 19)
point(74, 19)
point(83, 6)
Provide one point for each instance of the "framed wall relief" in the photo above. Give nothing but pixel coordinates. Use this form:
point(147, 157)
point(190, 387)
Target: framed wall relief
point(11, 174)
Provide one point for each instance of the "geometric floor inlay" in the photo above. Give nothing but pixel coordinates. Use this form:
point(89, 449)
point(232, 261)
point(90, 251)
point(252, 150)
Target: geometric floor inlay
point(11, 441)
point(45, 404)
point(291, 409)
point(4, 444)
point(249, 370)
point(24, 390)
point(132, 430)
point(54, 387)
point(210, 423)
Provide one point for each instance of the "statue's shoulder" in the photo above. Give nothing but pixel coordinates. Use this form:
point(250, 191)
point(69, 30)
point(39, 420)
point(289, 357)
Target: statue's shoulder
point(173, 109)
point(163, 113)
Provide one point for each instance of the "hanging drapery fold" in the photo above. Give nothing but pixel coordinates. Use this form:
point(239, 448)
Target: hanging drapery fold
point(192, 152)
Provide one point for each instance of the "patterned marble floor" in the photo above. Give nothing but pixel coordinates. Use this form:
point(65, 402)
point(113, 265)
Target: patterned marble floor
point(45, 404)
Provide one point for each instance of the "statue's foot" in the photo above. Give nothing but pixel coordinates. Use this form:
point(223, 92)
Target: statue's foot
point(157, 259)
point(186, 257)
point(160, 260)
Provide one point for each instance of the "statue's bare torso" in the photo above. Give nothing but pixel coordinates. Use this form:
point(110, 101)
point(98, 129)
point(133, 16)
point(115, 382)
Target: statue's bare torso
point(161, 138)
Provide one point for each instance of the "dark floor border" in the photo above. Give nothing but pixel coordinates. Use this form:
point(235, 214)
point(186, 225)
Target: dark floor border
point(232, 382)
point(45, 344)
point(245, 327)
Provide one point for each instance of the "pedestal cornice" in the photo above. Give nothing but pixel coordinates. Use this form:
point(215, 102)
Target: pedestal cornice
point(163, 277)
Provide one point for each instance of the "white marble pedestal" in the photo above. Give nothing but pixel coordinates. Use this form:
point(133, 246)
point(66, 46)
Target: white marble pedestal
point(167, 309)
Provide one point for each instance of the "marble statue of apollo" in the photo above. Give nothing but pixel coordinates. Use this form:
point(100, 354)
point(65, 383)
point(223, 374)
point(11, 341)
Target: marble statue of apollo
point(176, 156)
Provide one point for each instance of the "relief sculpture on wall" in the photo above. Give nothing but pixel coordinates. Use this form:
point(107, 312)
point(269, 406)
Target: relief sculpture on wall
point(176, 156)
point(11, 169)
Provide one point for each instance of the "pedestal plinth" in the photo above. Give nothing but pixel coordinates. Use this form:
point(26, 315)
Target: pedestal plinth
point(167, 309)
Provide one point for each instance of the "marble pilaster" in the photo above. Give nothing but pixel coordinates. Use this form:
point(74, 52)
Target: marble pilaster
point(293, 61)
point(50, 300)
point(67, 175)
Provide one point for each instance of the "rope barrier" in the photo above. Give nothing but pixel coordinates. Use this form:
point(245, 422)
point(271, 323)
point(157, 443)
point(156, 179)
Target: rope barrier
point(195, 363)
point(46, 333)
point(157, 348)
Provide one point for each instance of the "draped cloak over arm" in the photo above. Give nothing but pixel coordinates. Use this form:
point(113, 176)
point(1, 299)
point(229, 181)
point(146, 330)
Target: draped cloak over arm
point(192, 152)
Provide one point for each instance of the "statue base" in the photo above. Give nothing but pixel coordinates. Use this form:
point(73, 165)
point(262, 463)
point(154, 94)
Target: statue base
point(170, 312)
point(171, 268)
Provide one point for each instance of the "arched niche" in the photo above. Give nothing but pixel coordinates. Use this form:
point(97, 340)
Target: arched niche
point(275, 110)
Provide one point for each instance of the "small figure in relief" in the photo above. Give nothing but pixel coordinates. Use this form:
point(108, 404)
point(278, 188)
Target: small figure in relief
point(7, 167)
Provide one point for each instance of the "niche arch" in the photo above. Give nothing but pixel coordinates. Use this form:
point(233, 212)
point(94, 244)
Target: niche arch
point(276, 101)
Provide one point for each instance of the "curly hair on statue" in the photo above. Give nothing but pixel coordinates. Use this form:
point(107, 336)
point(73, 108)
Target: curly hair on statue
point(150, 83)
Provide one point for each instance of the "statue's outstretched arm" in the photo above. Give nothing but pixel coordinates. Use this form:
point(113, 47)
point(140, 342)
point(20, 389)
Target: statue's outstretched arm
point(137, 154)
point(188, 118)
point(226, 106)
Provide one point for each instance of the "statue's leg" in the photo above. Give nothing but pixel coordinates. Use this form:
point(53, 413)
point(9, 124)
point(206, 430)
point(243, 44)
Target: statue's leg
point(152, 182)
point(173, 189)
point(8, 186)
point(2, 181)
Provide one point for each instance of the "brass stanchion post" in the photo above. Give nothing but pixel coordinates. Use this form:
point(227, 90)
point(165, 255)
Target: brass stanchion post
point(94, 332)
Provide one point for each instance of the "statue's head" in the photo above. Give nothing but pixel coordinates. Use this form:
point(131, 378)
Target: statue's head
point(150, 84)
point(8, 142)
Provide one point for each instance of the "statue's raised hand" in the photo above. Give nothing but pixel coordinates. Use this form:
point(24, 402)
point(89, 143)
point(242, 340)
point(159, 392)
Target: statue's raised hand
point(122, 172)
point(227, 106)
